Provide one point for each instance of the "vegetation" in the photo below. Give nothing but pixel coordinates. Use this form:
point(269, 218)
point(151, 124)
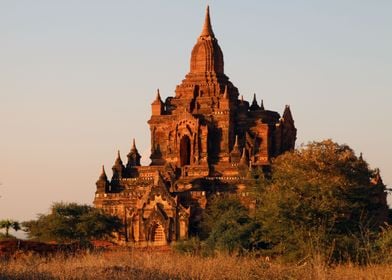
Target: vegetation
point(320, 201)
point(138, 264)
point(9, 224)
point(319, 205)
point(383, 245)
point(69, 222)
point(227, 225)
point(3, 237)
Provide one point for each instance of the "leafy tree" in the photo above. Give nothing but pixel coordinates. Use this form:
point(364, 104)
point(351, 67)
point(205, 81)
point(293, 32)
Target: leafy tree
point(226, 224)
point(9, 224)
point(321, 200)
point(72, 222)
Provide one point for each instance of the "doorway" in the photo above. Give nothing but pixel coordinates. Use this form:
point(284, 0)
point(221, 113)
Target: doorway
point(158, 234)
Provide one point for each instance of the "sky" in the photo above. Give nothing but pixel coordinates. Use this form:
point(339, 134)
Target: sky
point(77, 79)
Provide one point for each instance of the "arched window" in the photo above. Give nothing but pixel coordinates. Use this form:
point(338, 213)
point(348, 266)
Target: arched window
point(185, 151)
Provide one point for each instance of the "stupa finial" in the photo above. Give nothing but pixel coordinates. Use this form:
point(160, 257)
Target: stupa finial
point(207, 28)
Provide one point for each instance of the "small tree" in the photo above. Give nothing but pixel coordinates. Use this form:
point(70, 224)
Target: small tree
point(226, 224)
point(9, 224)
point(69, 222)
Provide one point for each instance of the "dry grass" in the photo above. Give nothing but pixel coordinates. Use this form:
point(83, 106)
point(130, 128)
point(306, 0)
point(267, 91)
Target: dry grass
point(137, 264)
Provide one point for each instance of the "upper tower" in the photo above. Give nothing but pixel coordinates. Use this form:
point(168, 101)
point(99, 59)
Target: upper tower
point(206, 126)
point(206, 55)
point(206, 76)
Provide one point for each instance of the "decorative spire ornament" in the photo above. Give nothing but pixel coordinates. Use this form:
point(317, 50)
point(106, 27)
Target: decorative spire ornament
point(207, 28)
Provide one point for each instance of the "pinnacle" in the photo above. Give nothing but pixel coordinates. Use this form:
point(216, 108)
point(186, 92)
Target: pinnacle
point(254, 102)
point(236, 141)
point(226, 94)
point(103, 173)
point(244, 159)
point(158, 98)
point(287, 113)
point(262, 104)
point(254, 106)
point(118, 159)
point(207, 28)
point(133, 145)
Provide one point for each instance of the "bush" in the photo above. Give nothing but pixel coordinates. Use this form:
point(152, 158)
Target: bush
point(383, 245)
point(192, 247)
point(227, 226)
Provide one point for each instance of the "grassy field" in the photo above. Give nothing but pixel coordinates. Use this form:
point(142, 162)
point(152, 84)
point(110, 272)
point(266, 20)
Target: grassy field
point(144, 264)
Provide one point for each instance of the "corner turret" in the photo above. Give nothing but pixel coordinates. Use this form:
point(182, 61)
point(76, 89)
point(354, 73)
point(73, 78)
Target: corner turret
point(118, 167)
point(157, 107)
point(133, 156)
point(102, 183)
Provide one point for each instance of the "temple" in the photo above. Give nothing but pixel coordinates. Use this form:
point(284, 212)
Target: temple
point(205, 139)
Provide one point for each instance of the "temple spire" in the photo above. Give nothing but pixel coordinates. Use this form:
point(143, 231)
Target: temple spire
point(206, 55)
point(207, 28)
point(254, 102)
point(254, 105)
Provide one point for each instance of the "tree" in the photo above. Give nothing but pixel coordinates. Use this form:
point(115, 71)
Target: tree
point(9, 224)
point(321, 199)
point(226, 224)
point(69, 222)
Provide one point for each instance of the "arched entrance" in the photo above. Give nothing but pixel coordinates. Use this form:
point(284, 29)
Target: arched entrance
point(185, 151)
point(158, 235)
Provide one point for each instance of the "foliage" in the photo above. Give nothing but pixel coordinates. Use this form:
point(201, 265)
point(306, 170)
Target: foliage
point(320, 201)
point(9, 224)
point(193, 246)
point(384, 245)
point(3, 237)
point(72, 222)
point(227, 225)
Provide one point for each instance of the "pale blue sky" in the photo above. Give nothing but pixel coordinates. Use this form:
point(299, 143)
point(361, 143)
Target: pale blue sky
point(77, 79)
